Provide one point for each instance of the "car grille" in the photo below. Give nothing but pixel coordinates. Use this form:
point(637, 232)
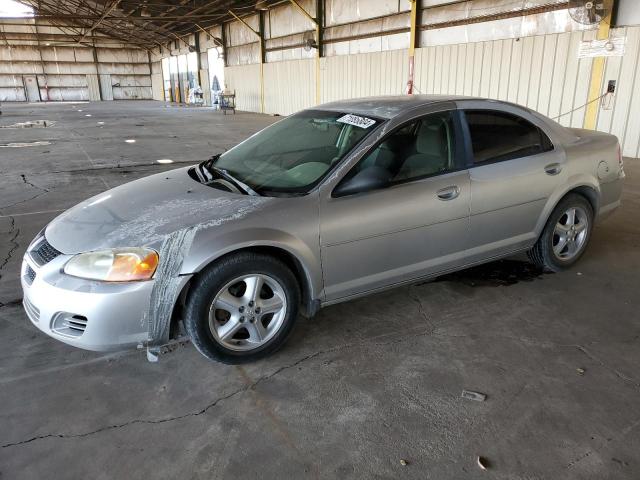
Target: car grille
point(30, 274)
point(32, 312)
point(69, 324)
point(44, 252)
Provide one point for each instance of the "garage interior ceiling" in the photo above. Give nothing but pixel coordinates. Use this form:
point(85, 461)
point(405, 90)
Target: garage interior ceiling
point(148, 24)
point(154, 23)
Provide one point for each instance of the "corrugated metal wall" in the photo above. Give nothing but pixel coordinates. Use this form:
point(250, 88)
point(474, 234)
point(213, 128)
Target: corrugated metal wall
point(623, 119)
point(542, 72)
point(350, 76)
point(289, 86)
point(245, 80)
point(67, 72)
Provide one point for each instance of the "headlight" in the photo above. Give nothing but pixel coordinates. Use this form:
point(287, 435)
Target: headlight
point(115, 265)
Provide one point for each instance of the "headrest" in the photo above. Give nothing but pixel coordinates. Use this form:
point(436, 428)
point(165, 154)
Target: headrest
point(431, 139)
point(396, 143)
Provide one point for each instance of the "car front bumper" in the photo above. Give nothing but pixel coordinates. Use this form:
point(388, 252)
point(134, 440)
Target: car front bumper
point(87, 314)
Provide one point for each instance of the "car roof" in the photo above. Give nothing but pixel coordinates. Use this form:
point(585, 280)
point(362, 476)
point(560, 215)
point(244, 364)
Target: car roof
point(389, 106)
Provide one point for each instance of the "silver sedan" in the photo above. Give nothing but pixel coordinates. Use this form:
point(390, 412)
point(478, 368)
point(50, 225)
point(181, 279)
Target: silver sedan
point(329, 204)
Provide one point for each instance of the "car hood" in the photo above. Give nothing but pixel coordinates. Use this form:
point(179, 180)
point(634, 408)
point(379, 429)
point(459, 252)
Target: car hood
point(145, 211)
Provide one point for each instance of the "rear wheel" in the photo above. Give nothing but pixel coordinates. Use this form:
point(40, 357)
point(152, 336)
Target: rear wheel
point(242, 308)
point(565, 236)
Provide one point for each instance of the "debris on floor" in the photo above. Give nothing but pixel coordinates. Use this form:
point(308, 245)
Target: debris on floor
point(581, 371)
point(24, 144)
point(403, 462)
point(30, 124)
point(471, 395)
point(483, 463)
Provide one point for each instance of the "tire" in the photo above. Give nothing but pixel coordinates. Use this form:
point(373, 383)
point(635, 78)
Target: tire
point(230, 324)
point(560, 246)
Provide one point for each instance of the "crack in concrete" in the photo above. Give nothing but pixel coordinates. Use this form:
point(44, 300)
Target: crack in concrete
point(367, 343)
point(216, 401)
point(13, 241)
point(22, 201)
point(422, 312)
point(169, 419)
point(27, 182)
point(11, 303)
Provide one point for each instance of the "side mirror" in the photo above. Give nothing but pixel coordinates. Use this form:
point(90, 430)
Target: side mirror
point(371, 178)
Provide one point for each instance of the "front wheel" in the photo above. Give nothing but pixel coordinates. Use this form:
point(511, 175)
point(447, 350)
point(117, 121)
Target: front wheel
point(565, 236)
point(242, 308)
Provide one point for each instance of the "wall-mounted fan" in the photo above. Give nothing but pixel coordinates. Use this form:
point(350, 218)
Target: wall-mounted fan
point(309, 41)
point(588, 12)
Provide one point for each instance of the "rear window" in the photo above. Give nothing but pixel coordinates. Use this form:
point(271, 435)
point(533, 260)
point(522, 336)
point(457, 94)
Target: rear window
point(498, 136)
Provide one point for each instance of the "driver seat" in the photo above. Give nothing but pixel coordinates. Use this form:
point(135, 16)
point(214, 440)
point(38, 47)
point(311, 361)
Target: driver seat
point(431, 151)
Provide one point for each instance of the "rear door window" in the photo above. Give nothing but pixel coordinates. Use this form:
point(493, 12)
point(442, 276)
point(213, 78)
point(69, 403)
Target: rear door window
point(498, 136)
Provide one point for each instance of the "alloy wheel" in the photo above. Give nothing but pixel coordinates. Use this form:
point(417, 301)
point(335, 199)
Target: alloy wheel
point(570, 233)
point(247, 312)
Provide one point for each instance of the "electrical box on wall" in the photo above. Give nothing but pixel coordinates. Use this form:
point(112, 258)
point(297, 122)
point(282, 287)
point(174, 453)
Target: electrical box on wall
point(607, 99)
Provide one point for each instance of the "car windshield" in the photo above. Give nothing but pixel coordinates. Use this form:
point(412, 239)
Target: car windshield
point(294, 154)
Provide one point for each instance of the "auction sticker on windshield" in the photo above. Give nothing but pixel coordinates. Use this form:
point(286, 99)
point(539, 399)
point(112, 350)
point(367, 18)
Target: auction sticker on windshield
point(356, 120)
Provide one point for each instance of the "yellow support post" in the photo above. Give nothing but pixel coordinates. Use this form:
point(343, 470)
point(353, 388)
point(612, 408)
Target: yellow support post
point(318, 54)
point(412, 45)
point(597, 73)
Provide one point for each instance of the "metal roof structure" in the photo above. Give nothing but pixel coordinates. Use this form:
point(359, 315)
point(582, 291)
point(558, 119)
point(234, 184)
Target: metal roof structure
point(147, 23)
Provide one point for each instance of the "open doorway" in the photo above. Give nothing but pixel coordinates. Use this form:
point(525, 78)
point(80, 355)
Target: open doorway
point(166, 80)
point(216, 73)
point(183, 78)
point(175, 79)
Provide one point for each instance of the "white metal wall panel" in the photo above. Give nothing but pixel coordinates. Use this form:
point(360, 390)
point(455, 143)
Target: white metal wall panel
point(367, 74)
point(94, 87)
point(245, 80)
point(339, 12)
point(542, 72)
point(132, 92)
point(157, 82)
point(239, 34)
point(628, 12)
point(289, 86)
point(624, 119)
point(286, 19)
point(105, 87)
point(69, 72)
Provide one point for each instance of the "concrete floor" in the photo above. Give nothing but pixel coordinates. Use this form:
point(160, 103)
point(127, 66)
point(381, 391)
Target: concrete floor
point(361, 387)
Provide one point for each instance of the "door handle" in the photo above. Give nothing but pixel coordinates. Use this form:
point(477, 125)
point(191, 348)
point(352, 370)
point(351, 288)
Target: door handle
point(553, 169)
point(448, 193)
